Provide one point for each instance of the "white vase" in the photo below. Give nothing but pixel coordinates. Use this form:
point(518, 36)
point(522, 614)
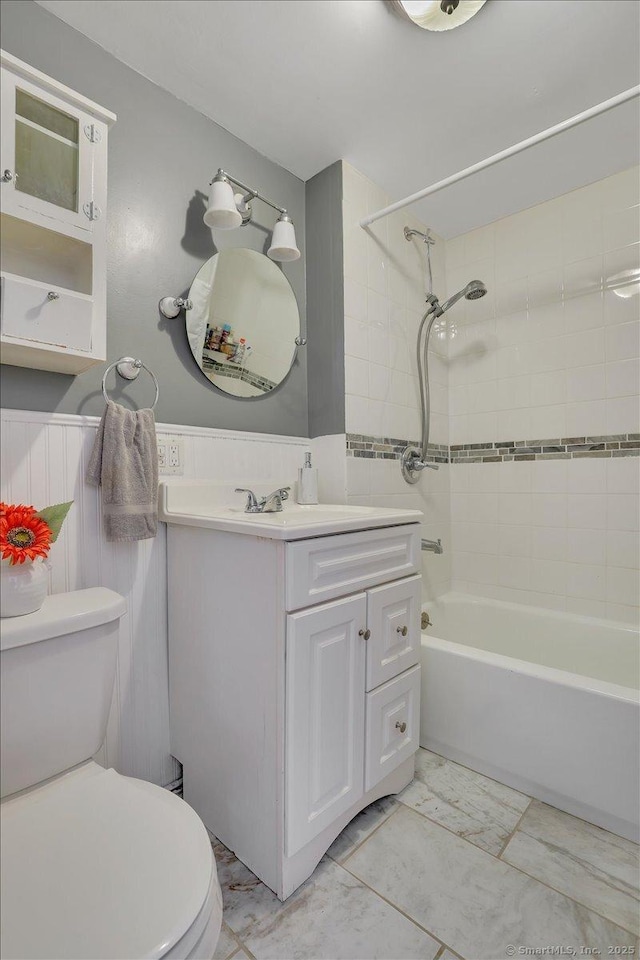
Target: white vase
point(23, 587)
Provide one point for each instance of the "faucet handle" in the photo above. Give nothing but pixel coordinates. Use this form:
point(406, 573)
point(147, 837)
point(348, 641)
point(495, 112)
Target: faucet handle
point(252, 502)
point(283, 493)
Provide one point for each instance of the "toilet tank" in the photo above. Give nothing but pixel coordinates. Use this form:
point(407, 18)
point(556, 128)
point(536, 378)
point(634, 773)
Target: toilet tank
point(57, 668)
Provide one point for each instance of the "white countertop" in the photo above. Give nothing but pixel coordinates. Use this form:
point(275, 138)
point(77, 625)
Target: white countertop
point(201, 503)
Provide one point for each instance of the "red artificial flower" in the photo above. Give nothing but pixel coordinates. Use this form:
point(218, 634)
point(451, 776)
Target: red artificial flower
point(23, 534)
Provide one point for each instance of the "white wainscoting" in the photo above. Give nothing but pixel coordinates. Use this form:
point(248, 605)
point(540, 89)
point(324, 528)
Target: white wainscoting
point(44, 458)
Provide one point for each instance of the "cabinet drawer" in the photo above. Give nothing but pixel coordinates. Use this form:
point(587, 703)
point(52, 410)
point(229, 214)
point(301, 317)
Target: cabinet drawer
point(328, 567)
point(393, 616)
point(29, 313)
point(391, 706)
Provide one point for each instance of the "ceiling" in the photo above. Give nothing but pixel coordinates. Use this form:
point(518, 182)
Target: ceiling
point(307, 82)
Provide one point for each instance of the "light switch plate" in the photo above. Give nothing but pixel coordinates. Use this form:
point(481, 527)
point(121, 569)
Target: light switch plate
point(170, 455)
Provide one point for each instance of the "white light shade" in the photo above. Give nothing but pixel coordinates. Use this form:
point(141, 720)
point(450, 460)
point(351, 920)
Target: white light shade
point(430, 15)
point(283, 241)
point(221, 208)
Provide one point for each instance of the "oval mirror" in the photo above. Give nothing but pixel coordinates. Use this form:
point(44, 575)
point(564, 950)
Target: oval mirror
point(243, 323)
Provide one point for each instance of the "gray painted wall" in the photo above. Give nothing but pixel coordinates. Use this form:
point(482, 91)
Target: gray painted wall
point(325, 302)
point(161, 153)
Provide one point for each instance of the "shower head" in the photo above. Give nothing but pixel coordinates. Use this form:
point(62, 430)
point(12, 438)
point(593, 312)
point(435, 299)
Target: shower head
point(473, 291)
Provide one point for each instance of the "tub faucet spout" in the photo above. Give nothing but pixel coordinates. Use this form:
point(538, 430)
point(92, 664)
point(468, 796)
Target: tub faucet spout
point(434, 546)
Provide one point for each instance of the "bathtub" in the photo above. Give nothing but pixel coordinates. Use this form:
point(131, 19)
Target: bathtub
point(545, 702)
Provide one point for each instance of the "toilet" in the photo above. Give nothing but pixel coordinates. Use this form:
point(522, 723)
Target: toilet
point(94, 864)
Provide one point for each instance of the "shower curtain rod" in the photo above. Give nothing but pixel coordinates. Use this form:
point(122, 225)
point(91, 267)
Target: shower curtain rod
point(509, 152)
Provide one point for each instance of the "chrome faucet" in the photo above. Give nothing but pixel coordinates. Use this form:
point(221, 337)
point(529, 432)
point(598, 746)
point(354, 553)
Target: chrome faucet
point(273, 503)
point(270, 504)
point(434, 546)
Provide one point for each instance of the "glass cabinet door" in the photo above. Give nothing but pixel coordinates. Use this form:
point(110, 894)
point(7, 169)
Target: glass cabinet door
point(47, 152)
point(46, 163)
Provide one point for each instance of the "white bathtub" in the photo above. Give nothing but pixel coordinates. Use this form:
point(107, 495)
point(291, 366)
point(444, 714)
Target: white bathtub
point(545, 702)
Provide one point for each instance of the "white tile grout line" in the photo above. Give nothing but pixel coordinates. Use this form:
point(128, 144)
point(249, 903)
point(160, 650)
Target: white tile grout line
point(505, 862)
point(436, 823)
point(416, 923)
point(445, 946)
point(364, 839)
point(514, 831)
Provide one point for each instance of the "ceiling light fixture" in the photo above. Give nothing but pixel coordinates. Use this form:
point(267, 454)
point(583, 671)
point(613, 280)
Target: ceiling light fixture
point(438, 14)
point(226, 211)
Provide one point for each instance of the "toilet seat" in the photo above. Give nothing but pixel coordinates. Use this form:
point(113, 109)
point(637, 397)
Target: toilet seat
point(98, 865)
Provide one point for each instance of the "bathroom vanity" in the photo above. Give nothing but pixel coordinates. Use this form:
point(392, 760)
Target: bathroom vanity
point(294, 643)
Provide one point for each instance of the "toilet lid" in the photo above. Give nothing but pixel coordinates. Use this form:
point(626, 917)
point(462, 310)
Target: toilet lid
point(97, 865)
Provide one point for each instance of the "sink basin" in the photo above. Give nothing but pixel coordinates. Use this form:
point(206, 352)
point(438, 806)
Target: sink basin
point(204, 504)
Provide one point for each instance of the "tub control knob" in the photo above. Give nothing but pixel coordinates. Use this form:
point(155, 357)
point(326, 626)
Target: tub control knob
point(402, 630)
point(401, 726)
point(364, 633)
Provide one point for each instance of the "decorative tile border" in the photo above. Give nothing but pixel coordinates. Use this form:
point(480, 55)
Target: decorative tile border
point(390, 448)
point(564, 448)
point(238, 373)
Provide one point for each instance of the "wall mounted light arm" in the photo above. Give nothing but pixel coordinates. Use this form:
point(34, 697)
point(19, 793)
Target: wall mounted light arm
point(250, 194)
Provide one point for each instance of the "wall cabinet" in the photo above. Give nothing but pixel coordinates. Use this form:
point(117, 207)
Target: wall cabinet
point(289, 716)
point(53, 170)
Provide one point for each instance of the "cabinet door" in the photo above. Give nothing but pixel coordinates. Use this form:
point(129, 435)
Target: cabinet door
point(393, 617)
point(324, 716)
point(393, 725)
point(48, 153)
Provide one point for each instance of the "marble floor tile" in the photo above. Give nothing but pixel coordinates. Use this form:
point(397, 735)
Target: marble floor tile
point(331, 916)
point(481, 810)
point(478, 905)
point(361, 827)
point(593, 866)
point(227, 944)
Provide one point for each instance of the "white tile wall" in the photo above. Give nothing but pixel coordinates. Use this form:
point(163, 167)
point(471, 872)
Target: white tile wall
point(44, 459)
point(554, 351)
point(384, 301)
point(555, 355)
point(552, 533)
point(551, 351)
point(384, 291)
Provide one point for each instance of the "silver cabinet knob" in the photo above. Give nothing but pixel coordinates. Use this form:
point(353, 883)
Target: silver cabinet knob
point(402, 630)
point(401, 726)
point(7, 176)
point(364, 633)
point(53, 296)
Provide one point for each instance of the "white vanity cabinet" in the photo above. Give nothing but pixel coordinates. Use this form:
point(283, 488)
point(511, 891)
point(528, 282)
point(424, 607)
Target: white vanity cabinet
point(53, 189)
point(294, 684)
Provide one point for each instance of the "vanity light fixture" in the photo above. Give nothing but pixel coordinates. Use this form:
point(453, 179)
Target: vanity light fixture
point(227, 210)
point(438, 14)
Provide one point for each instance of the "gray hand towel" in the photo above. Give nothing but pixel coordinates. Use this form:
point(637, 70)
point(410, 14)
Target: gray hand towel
point(124, 460)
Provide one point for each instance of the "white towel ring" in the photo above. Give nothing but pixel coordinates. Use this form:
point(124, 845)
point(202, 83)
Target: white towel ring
point(129, 368)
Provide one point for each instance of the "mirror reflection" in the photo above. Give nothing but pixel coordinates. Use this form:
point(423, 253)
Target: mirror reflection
point(243, 323)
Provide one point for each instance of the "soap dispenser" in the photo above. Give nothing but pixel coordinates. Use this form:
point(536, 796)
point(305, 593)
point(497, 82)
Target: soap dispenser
point(307, 482)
